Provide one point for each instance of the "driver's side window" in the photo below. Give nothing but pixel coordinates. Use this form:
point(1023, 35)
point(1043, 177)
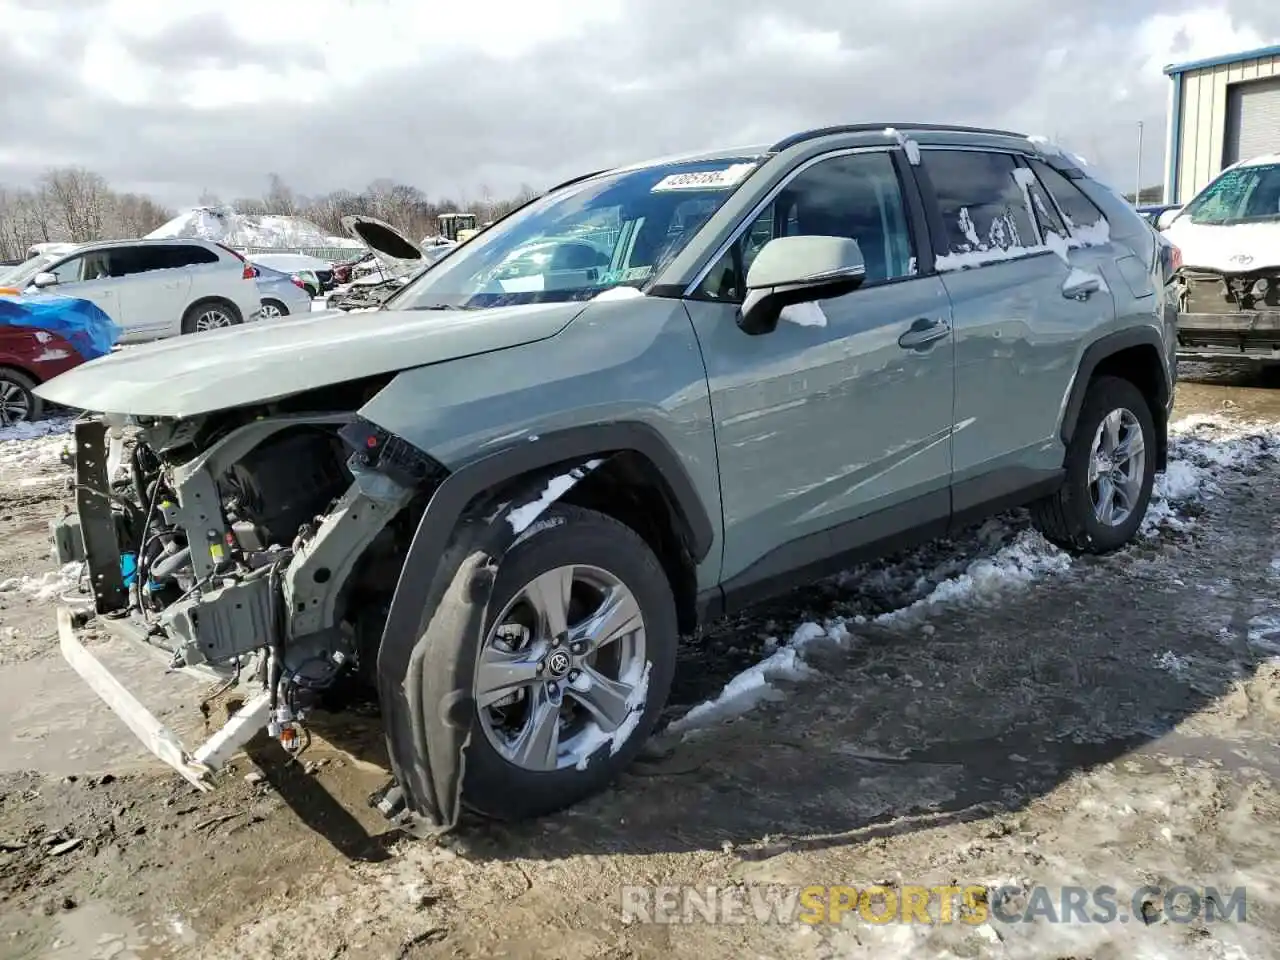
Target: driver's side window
point(69, 270)
point(856, 196)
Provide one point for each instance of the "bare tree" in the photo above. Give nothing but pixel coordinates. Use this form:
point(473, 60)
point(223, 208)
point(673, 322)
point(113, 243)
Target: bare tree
point(81, 201)
point(279, 198)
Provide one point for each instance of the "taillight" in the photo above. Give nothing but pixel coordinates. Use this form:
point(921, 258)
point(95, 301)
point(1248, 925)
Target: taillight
point(298, 283)
point(250, 272)
point(1175, 257)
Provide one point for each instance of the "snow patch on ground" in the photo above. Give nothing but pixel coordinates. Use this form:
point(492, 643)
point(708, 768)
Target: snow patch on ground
point(47, 587)
point(30, 448)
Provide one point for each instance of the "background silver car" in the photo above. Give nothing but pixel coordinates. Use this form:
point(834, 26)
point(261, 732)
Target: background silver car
point(281, 294)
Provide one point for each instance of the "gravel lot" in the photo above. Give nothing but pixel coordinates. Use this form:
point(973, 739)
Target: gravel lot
point(985, 712)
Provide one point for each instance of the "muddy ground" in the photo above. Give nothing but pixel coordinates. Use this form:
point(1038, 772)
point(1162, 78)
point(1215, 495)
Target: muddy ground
point(1111, 723)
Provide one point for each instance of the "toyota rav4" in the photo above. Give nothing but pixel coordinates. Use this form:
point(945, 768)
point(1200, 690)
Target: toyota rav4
point(646, 398)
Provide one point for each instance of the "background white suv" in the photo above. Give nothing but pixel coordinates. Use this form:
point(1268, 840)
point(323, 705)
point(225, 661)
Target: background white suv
point(151, 288)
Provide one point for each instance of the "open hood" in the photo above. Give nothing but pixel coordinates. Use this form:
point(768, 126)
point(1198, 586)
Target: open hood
point(199, 373)
point(387, 243)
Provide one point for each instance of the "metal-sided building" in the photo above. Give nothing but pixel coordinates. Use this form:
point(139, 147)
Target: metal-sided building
point(1220, 110)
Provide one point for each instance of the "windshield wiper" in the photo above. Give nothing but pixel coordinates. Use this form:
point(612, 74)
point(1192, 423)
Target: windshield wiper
point(437, 306)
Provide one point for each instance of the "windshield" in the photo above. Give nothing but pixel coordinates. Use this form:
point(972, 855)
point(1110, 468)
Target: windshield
point(1241, 195)
point(25, 272)
point(609, 231)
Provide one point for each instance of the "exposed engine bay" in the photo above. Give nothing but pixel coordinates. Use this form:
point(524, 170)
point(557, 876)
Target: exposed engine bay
point(265, 541)
point(1231, 312)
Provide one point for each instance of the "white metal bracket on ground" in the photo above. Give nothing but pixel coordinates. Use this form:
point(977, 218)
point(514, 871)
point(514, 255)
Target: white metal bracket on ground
point(195, 767)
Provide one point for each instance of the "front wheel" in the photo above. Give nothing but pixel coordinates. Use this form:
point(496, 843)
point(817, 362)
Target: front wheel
point(17, 403)
point(1110, 469)
point(575, 665)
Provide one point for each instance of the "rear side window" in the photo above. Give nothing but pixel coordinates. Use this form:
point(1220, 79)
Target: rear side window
point(143, 259)
point(1079, 211)
point(983, 204)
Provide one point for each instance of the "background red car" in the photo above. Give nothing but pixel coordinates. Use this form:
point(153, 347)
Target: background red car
point(28, 357)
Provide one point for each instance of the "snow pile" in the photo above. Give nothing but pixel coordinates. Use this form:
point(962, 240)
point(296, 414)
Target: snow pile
point(48, 587)
point(1202, 451)
point(224, 225)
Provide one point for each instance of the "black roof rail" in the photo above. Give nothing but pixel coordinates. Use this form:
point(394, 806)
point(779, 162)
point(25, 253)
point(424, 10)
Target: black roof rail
point(570, 182)
point(795, 138)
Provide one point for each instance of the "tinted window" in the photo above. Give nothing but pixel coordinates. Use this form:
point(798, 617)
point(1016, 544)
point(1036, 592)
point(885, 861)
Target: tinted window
point(1046, 214)
point(856, 196)
point(1075, 206)
point(983, 206)
point(141, 259)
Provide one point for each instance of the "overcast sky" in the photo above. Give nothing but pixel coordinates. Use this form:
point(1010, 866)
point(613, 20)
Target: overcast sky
point(174, 97)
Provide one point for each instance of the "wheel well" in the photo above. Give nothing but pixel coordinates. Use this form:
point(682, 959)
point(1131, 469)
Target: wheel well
point(14, 368)
point(207, 301)
point(631, 489)
point(1141, 366)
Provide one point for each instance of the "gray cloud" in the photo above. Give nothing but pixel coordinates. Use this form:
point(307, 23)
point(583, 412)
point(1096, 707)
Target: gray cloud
point(208, 40)
point(674, 76)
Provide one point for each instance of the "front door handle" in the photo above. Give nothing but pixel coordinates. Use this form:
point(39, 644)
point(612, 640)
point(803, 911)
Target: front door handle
point(923, 332)
point(1081, 286)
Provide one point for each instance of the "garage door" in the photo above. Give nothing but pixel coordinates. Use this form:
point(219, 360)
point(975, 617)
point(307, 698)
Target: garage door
point(1253, 120)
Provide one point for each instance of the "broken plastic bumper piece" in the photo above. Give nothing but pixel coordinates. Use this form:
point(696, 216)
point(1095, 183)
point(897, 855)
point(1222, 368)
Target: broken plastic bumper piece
point(196, 767)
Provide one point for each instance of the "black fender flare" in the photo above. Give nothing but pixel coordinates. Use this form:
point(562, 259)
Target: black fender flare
point(442, 594)
point(1098, 351)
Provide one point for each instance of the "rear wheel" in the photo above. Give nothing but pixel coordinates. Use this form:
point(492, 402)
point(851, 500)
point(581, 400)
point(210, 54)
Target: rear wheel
point(210, 315)
point(574, 669)
point(17, 403)
point(1110, 471)
point(273, 309)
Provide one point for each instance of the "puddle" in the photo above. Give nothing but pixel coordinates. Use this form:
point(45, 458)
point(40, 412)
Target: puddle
point(52, 722)
point(93, 931)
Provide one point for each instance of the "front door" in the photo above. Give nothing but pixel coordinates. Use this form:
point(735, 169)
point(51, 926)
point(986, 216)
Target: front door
point(87, 276)
point(834, 430)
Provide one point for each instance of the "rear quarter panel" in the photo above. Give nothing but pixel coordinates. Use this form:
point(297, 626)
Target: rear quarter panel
point(630, 360)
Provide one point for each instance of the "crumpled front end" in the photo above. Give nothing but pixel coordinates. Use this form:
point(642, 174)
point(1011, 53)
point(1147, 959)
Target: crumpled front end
point(1229, 313)
point(296, 553)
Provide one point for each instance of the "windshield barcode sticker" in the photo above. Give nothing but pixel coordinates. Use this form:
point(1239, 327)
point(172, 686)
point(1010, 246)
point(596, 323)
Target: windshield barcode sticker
point(705, 179)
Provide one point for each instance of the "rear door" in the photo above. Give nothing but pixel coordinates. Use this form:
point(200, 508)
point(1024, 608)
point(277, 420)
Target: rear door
point(1022, 302)
point(155, 283)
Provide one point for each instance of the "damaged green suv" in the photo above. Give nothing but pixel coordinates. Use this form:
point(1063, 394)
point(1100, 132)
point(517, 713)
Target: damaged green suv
point(640, 401)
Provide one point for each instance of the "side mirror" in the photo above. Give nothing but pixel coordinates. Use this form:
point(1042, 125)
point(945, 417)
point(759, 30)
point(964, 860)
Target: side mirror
point(1167, 217)
point(791, 270)
point(42, 280)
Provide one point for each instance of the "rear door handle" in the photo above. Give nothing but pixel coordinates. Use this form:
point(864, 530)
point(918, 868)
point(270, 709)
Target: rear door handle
point(923, 332)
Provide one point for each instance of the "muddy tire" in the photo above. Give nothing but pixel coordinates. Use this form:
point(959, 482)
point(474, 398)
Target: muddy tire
point(566, 693)
point(1110, 468)
point(210, 315)
point(17, 402)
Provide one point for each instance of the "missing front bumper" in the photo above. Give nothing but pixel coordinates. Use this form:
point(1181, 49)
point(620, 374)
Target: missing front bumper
point(197, 767)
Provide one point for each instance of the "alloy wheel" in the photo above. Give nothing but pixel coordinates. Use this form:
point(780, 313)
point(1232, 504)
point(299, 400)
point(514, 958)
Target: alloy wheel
point(213, 318)
point(1117, 463)
point(15, 403)
point(563, 670)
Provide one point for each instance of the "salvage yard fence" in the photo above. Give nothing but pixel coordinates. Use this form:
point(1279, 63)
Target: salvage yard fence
point(331, 254)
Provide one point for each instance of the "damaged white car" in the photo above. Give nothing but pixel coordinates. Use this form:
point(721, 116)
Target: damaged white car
point(1229, 237)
